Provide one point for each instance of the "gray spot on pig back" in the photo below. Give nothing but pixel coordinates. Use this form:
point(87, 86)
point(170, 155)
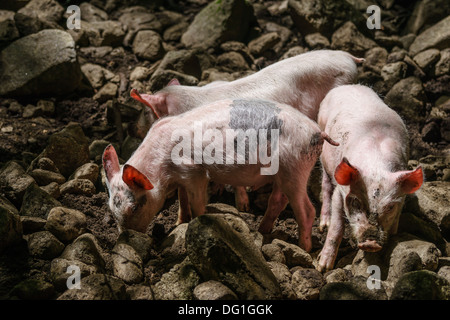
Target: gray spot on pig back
point(255, 114)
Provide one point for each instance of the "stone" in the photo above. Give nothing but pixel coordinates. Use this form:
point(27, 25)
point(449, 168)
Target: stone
point(33, 289)
point(284, 277)
point(32, 224)
point(317, 41)
point(337, 275)
point(104, 33)
point(97, 287)
point(173, 246)
point(295, 256)
point(60, 271)
point(162, 78)
point(393, 72)
point(408, 98)
point(49, 10)
point(431, 132)
point(107, 92)
point(44, 245)
point(141, 242)
point(426, 13)
point(129, 145)
point(220, 253)
point(47, 164)
point(350, 39)
point(66, 224)
point(307, 283)
point(89, 171)
point(178, 283)
point(421, 285)
point(213, 290)
point(230, 61)
point(148, 45)
point(437, 36)
point(273, 253)
point(45, 177)
point(427, 59)
point(443, 65)
point(355, 289)
point(137, 18)
point(47, 107)
point(127, 264)
point(14, 182)
point(51, 70)
point(444, 272)
point(52, 189)
point(140, 73)
point(324, 16)
point(96, 148)
point(8, 29)
point(218, 22)
point(78, 186)
point(10, 227)
point(263, 43)
point(91, 13)
point(85, 249)
point(182, 61)
point(175, 32)
point(96, 75)
point(37, 202)
point(140, 292)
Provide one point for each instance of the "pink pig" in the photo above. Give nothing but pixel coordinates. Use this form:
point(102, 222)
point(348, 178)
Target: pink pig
point(364, 179)
point(301, 81)
point(165, 160)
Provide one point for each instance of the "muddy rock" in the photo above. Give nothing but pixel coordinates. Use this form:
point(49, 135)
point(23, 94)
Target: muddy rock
point(127, 264)
point(355, 289)
point(421, 285)
point(213, 290)
point(45, 177)
point(44, 245)
point(91, 13)
point(78, 186)
point(89, 171)
point(10, 227)
point(60, 271)
point(85, 249)
point(33, 289)
point(8, 27)
point(425, 14)
point(140, 242)
point(443, 65)
point(284, 278)
point(37, 202)
point(349, 38)
point(307, 283)
point(66, 224)
point(295, 256)
point(14, 182)
point(148, 45)
point(437, 36)
point(97, 287)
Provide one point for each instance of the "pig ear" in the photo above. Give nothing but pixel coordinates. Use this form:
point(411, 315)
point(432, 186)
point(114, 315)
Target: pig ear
point(174, 82)
point(135, 179)
point(410, 181)
point(143, 99)
point(345, 173)
point(110, 162)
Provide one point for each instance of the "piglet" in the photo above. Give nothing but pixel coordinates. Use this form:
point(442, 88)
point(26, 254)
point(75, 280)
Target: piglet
point(301, 81)
point(237, 142)
point(364, 179)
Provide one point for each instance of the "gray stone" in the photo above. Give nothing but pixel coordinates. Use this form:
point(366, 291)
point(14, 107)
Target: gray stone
point(37, 202)
point(140, 292)
point(141, 242)
point(85, 249)
point(393, 72)
point(355, 289)
point(173, 246)
point(44, 245)
point(129, 145)
point(182, 61)
point(317, 41)
point(32, 224)
point(427, 59)
point(221, 253)
point(66, 224)
point(45, 177)
point(33, 289)
point(443, 65)
point(47, 164)
point(295, 256)
point(127, 264)
point(96, 148)
point(213, 290)
point(10, 227)
point(8, 30)
point(162, 78)
point(421, 285)
point(273, 253)
point(426, 13)
point(107, 92)
point(52, 69)
point(91, 13)
point(78, 186)
point(218, 22)
point(14, 182)
point(444, 272)
point(284, 277)
point(375, 59)
point(97, 287)
point(60, 271)
point(349, 38)
point(307, 283)
point(437, 36)
point(230, 61)
point(96, 75)
point(52, 189)
point(87, 171)
point(148, 45)
point(263, 43)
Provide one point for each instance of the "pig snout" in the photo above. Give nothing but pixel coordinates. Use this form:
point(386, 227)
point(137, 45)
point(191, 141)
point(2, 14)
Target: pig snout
point(370, 246)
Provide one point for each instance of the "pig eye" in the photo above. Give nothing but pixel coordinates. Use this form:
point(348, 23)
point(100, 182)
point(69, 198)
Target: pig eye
point(355, 203)
point(390, 207)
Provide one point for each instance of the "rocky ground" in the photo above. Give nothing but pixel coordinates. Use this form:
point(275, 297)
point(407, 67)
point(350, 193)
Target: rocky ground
point(65, 96)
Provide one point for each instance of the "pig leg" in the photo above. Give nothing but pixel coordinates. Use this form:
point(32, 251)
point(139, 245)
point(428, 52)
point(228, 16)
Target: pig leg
point(197, 193)
point(277, 203)
point(184, 210)
point(241, 199)
point(334, 236)
point(327, 192)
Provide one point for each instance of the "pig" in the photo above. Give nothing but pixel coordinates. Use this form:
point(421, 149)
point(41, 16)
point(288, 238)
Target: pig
point(301, 81)
point(138, 189)
point(365, 179)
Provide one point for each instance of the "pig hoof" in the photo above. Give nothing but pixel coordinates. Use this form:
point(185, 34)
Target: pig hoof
point(243, 207)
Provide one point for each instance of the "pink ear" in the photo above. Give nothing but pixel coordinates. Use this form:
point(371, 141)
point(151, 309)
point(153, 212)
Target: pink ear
point(345, 173)
point(110, 162)
point(411, 181)
point(143, 99)
point(174, 82)
point(135, 179)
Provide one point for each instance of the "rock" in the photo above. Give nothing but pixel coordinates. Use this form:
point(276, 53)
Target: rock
point(444, 272)
point(96, 148)
point(140, 292)
point(426, 13)
point(434, 204)
point(273, 253)
point(47, 164)
point(10, 226)
point(44, 245)
point(32, 224)
point(137, 18)
point(443, 65)
point(408, 98)
point(375, 59)
point(178, 283)
point(60, 271)
point(96, 75)
point(295, 256)
point(85, 249)
point(182, 61)
point(37, 202)
point(107, 92)
point(323, 16)
point(213, 290)
point(66, 224)
point(78, 186)
point(8, 29)
point(437, 36)
point(68, 149)
point(218, 22)
point(140, 73)
point(14, 182)
point(263, 43)
point(393, 72)
point(220, 253)
point(348, 38)
point(148, 45)
point(421, 285)
point(45, 177)
point(307, 283)
point(91, 13)
point(97, 287)
point(173, 246)
point(87, 171)
point(47, 107)
point(284, 277)
point(49, 10)
point(427, 59)
point(221, 208)
point(104, 33)
point(230, 61)
point(52, 69)
point(337, 275)
point(127, 264)
point(355, 289)
point(33, 289)
point(317, 41)
point(175, 32)
point(141, 242)
point(431, 132)
point(52, 189)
